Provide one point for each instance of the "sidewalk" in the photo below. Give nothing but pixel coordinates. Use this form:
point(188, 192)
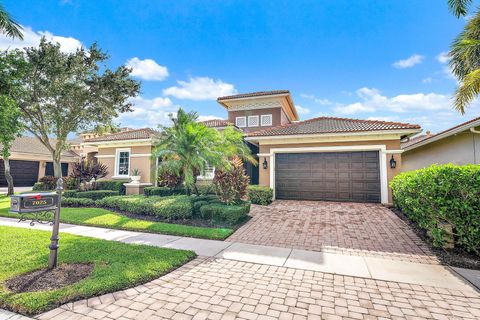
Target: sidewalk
point(356, 266)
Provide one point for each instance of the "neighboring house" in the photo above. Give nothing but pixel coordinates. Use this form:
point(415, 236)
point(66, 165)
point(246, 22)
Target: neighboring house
point(124, 152)
point(30, 160)
point(458, 145)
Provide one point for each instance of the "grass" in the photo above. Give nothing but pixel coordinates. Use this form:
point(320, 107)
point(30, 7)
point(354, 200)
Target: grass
point(116, 266)
point(99, 217)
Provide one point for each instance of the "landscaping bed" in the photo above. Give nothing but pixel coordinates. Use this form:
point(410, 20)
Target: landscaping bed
point(116, 266)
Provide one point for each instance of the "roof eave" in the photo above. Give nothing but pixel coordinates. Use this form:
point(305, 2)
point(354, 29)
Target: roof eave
point(112, 142)
point(222, 101)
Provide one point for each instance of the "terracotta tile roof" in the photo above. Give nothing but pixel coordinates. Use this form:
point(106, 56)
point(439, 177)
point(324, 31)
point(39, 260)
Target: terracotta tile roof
point(33, 146)
point(445, 133)
point(415, 139)
point(216, 123)
point(144, 133)
point(254, 94)
point(332, 125)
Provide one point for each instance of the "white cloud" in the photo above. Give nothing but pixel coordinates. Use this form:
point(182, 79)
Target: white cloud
point(200, 88)
point(32, 39)
point(148, 112)
point(147, 69)
point(427, 80)
point(372, 100)
point(302, 110)
point(384, 118)
point(409, 62)
point(443, 57)
point(319, 101)
point(206, 118)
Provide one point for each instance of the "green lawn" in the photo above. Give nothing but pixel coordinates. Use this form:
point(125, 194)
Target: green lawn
point(116, 266)
point(108, 219)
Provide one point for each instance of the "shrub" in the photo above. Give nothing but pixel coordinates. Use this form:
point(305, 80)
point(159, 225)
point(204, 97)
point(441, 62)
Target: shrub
point(260, 195)
point(71, 183)
point(115, 185)
point(439, 195)
point(49, 182)
point(77, 202)
point(169, 179)
point(169, 208)
point(39, 186)
point(69, 193)
point(197, 205)
point(231, 184)
point(96, 194)
point(221, 213)
point(87, 170)
point(162, 191)
point(204, 189)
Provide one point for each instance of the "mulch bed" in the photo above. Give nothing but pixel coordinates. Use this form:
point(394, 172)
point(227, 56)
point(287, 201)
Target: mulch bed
point(455, 257)
point(41, 280)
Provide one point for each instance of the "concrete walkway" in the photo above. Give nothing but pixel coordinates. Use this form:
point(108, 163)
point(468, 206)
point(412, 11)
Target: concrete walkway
point(346, 265)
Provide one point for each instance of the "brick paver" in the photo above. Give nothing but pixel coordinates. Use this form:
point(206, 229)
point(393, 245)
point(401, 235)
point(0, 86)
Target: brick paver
point(226, 289)
point(348, 228)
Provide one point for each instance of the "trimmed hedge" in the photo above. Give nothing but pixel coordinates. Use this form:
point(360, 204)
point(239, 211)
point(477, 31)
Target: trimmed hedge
point(77, 202)
point(96, 194)
point(162, 191)
point(115, 185)
point(39, 186)
point(439, 195)
point(70, 193)
point(221, 213)
point(260, 195)
point(206, 189)
point(169, 208)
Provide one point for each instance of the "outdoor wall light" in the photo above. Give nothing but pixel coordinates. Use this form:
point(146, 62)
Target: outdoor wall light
point(393, 163)
point(265, 163)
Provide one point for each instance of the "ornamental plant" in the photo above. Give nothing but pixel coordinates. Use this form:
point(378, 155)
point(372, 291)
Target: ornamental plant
point(169, 178)
point(87, 172)
point(231, 183)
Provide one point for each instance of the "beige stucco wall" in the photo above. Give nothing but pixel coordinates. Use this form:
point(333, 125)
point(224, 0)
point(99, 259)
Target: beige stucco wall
point(460, 149)
point(264, 174)
point(144, 163)
point(278, 117)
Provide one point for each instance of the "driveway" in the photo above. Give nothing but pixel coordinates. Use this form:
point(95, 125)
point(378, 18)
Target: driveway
point(338, 227)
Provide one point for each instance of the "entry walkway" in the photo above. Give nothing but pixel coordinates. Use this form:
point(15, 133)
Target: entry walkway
point(332, 263)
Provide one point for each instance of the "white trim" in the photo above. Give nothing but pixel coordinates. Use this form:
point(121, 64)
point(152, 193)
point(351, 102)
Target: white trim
point(137, 155)
point(394, 151)
point(360, 133)
point(236, 122)
point(133, 142)
point(264, 116)
point(382, 149)
point(100, 156)
point(117, 152)
point(255, 97)
point(253, 117)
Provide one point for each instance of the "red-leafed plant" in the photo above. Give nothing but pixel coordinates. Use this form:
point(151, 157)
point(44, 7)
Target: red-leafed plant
point(231, 183)
point(170, 179)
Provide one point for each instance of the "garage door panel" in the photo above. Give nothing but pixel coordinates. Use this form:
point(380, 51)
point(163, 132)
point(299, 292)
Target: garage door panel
point(337, 176)
point(24, 173)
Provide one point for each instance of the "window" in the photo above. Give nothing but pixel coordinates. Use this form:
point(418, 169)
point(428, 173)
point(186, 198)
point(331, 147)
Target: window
point(208, 174)
point(122, 162)
point(253, 121)
point(266, 120)
point(241, 122)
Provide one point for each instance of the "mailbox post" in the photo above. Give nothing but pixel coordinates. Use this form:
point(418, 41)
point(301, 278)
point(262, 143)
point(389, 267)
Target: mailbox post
point(39, 208)
point(52, 259)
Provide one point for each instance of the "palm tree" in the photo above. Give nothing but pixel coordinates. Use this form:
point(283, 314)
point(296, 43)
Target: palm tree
point(465, 56)
point(8, 25)
point(189, 146)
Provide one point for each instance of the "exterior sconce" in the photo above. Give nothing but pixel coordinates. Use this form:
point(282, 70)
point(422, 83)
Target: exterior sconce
point(393, 163)
point(265, 163)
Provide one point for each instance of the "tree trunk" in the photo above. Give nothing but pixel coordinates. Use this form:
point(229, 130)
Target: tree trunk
point(8, 176)
point(57, 164)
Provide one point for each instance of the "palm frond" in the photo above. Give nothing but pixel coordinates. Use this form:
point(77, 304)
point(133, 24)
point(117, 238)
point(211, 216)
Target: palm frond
point(8, 25)
point(467, 91)
point(459, 7)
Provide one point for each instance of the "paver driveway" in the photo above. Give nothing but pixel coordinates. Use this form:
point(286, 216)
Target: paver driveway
point(226, 289)
point(349, 228)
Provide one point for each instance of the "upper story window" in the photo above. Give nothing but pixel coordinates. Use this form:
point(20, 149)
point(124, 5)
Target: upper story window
point(266, 120)
point(122, 162)
point(241, 122)
point(253, 121)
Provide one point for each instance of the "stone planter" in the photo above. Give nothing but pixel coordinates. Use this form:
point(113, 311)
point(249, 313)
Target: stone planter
point(135, 179)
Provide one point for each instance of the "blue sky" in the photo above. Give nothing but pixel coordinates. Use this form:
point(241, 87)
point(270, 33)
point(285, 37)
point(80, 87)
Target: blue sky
point(359, 59)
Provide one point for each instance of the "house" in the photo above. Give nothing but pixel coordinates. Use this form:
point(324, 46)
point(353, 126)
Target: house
point(30, 160)
point(458, 145)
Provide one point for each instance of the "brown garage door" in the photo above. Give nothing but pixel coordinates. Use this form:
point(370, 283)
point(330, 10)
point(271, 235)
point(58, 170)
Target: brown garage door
point(335, 176)
point(24, 173)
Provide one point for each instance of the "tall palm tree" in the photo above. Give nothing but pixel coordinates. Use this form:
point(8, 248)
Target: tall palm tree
point(188, 147)
point(465, 56)
point(8, 25)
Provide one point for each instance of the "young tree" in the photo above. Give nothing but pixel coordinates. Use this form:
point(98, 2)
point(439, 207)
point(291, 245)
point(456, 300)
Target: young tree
point(189, 146)
point(8, 25)
point(62, 93)
point(10, 128)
